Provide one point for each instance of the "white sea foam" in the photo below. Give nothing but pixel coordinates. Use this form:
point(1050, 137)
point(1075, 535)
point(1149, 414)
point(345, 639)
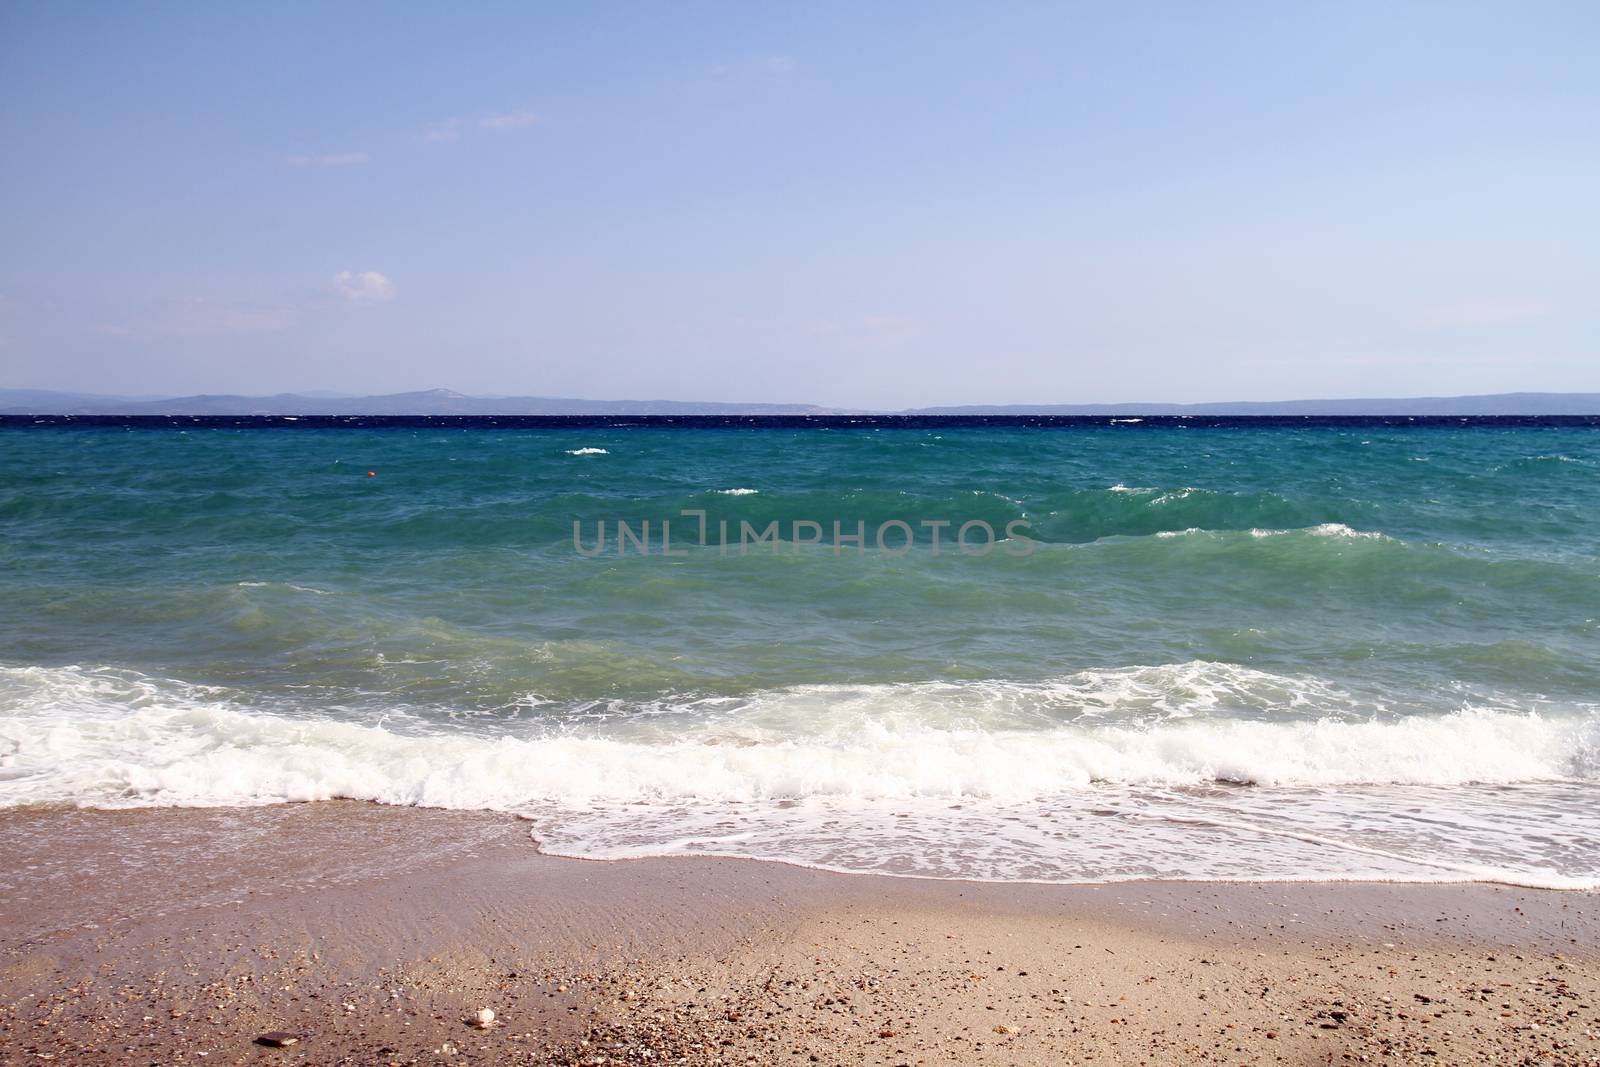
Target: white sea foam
point(935, 775)
point(65, 729)
point(587, 452)
point(737, 492)
point(284, 585)
point(1327, 529)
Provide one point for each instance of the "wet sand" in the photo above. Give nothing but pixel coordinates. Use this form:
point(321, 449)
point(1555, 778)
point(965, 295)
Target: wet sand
point(372, 933)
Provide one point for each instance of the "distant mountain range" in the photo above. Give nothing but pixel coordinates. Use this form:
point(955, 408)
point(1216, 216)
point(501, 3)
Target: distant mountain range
point(428, 402)
point(447, 402)
point(1489, 404)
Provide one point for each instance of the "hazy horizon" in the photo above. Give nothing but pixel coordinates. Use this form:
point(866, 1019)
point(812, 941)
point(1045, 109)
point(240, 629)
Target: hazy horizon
point(335, 394)
point(447, 402)
point(880, 208)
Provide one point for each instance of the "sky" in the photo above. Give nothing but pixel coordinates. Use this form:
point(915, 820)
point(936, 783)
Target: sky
point(875, 205)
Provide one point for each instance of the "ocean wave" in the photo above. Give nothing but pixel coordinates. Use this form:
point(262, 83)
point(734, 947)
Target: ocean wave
point(1072, 516)
point(284, 585)
point(1327, 529)
point(1083, 515)
point(1127, 773)
point(117, 738)
point(545, 515)
point(587, 452)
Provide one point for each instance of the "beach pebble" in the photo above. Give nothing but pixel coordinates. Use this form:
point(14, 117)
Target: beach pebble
point(278, 1039)
point(483, 1018)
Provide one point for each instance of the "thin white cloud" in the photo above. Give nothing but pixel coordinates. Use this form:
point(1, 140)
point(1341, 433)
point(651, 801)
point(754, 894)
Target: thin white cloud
point(236, 316)
point(443, 130)
point(509, 120)
point(756, 67)
point(364, 287)
point(453, 129)
point(335, 159)
point(200, 316)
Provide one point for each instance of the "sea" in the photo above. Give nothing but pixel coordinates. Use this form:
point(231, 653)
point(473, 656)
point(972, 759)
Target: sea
point(1058, 650)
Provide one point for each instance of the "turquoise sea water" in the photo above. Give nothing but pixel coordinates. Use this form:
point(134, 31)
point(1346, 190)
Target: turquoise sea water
point(1221, 652)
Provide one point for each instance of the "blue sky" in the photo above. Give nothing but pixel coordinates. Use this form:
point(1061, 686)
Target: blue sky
point(852, 204)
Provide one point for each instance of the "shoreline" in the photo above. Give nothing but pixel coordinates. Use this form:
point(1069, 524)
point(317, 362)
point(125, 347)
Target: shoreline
point(1504, 883)
point(529, 822)
point(155, 935)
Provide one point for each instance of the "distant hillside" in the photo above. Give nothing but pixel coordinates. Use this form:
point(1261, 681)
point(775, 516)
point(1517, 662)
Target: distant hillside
point(1491, 404)
point(447, 402)
point(429, 402)
point(47, 401)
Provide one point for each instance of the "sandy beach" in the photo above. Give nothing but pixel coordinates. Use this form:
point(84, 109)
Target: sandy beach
point(372, 934)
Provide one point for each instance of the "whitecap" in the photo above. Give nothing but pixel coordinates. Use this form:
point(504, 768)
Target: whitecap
point(1326, 529)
